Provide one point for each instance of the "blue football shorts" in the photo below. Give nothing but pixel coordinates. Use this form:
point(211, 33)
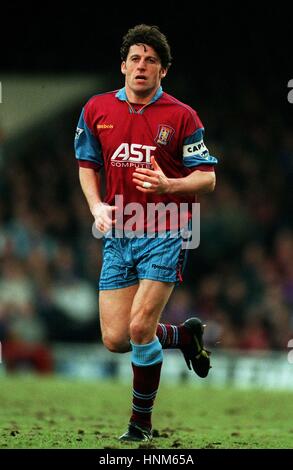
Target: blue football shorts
point(126, 260)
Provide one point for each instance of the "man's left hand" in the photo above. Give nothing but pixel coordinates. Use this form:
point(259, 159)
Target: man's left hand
point(151, 181)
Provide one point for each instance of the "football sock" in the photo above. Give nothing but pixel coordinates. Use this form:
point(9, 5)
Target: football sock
point(172, 336)
point(146, 365)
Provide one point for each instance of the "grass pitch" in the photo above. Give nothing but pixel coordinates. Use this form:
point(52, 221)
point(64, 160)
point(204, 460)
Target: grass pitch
point(47, 413)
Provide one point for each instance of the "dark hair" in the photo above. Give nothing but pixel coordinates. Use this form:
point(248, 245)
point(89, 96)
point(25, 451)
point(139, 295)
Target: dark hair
point(150, 35)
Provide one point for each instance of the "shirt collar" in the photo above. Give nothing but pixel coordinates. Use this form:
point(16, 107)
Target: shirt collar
point(121, 95)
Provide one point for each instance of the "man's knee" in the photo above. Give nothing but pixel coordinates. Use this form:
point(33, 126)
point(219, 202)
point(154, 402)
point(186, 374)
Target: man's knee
point(115, 344)
point(141, 329)
point(137, 331)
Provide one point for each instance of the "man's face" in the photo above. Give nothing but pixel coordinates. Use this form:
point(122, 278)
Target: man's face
point(142, 69)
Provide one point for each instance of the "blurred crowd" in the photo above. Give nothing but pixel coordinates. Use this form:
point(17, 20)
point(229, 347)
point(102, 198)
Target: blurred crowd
point(239, 280)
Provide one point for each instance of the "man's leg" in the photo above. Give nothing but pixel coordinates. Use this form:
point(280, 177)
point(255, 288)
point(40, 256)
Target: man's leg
point(115, 307)
point(188, 337)
point(164, 260)
point(115, 310)
point(148, 303)
point(173, 336)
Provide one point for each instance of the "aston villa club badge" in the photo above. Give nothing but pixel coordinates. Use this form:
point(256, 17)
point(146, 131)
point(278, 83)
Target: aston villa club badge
point(165, 134)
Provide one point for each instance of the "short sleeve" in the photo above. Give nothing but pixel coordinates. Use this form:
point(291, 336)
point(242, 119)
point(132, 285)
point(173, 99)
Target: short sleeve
point(195, 153)
point(88, 150)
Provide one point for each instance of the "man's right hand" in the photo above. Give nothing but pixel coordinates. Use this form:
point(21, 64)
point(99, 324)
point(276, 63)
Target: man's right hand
point(103, 216)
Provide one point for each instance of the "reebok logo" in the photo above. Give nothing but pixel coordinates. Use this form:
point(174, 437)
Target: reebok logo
point(157, 266)
point(105, 126)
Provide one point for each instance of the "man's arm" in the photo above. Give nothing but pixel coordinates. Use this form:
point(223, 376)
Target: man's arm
point(91, 187)
point(198, 182)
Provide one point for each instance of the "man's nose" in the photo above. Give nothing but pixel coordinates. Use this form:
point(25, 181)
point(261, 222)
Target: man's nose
point(141, 64)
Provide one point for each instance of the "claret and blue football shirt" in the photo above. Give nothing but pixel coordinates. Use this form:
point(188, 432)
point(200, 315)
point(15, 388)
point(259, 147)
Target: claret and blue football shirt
point(121, 137)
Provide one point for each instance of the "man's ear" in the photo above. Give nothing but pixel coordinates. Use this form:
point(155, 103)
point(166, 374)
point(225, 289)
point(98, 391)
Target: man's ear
point(163, 72)
point(123, 67)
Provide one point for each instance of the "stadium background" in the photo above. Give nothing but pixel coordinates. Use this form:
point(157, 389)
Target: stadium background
point(233, 67)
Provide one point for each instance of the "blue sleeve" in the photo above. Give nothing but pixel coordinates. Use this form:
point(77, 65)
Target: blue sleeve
point(195, 152)
point(87, 147)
